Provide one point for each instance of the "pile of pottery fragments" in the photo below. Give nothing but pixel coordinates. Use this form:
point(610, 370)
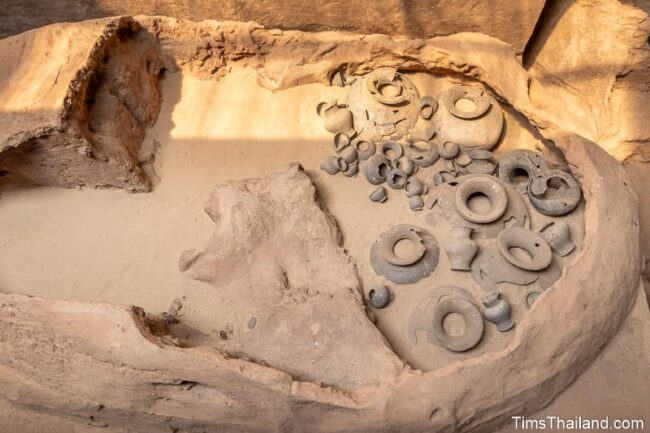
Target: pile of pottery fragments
point(387, 132)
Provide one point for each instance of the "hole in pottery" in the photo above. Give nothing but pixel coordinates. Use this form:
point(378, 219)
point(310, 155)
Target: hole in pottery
point(453, 324)
point(519, 176)
point(404, 248)
point(555, 186)
point(388, 90)
point(3, 173)
point(521, 254)
point(465, 104)
point(479, 203)
point(383, 169)
point(556, 183)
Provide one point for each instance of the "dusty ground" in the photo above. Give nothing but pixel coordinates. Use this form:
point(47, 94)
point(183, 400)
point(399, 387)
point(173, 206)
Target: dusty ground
point(113, 246)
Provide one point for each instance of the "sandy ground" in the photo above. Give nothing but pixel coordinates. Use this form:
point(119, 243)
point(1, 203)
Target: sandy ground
point(123, 248)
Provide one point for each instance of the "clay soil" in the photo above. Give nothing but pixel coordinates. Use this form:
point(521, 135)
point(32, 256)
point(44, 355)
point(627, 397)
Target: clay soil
point(106, 245)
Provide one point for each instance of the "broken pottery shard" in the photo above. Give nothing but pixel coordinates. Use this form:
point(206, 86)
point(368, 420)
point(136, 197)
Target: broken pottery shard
point(277, 252)
point(80, 120)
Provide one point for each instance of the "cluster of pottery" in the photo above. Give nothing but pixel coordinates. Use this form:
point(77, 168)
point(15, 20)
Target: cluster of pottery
point(390, 134)
point(386, 131)
point(502, 227)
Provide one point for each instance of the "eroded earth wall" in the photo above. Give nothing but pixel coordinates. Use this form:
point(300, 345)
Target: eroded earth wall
point(414, 19)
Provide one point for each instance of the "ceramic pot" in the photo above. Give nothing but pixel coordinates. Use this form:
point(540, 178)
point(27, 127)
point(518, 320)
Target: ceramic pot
point(497, 311)
point(558, 236)
point(339, 119)
point(461, 249)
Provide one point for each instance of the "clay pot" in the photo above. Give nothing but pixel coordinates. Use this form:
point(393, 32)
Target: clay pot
point(448, 150)
point(396, 178)
point(426, 107)
point(333, 165)
point(379, 296)
point(365, 148)
point(529, 241)
point(558, 236)
point(416, 203)
point(352, 170)
point(480, 126)
point(485, 185)
point(461, 249)
point(422, 153)
point(339, 120)
point(497, 311)
point(554, 201)
point(414, 186)
point(378, 195)
point(376, 168)
point(349, 154)
point(406, 165)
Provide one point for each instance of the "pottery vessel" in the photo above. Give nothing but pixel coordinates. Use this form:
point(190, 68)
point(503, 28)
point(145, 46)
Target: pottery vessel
point(461, 249)
point(497, 311)
point(558, 236)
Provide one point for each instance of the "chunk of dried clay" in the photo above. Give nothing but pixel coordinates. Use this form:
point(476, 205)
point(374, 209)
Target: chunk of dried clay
point(448, 150)
point(349, 154)
point(538, 253)
point(405, 254)
point(444, 301)
point(414, 186)
point(518, 167)
point(444, 210)
point(365, 148)
point(468, 116)
point(558, 236)
point(426, 107)
point(392, 150)
point(416, 203)
point(481, 185)
point(422, 153)
point(376, 169)
point(497, 310)
point(461, 248)
point(383, 104)
point(490, 268)
point(379, 296)
point(554, 192)
point(396, 178)
point(379, 195)
point(406, 165)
